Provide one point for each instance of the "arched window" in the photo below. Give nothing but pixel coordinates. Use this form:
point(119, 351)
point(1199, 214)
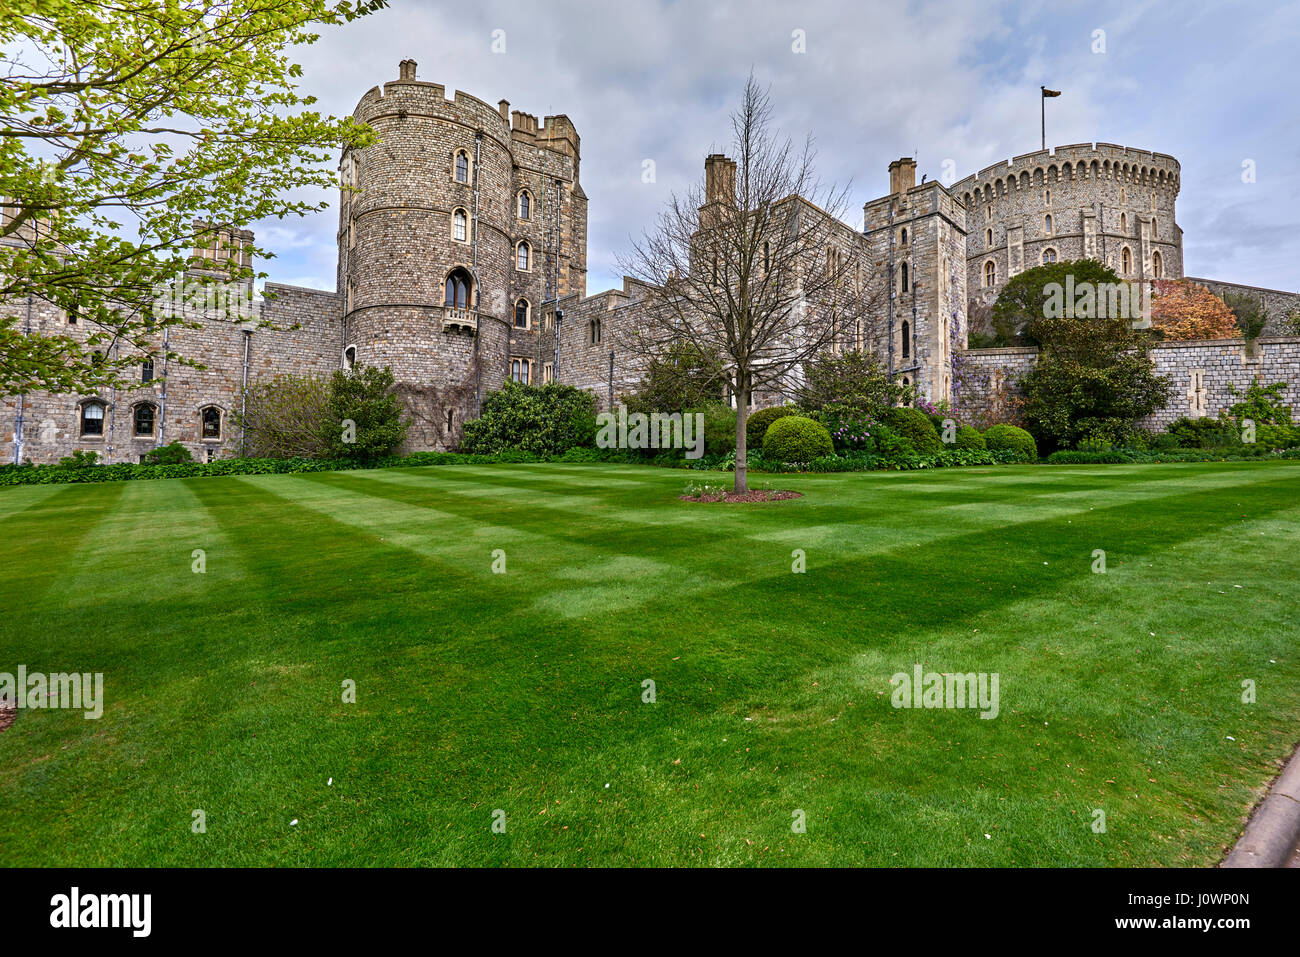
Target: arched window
point(1155, 227)
point(593, 330)
point(92, 417)
point(1126, 260)
point(146, 370)
point(904, 242)
point(990, 273)
point(1123, 196)
point(1047, 197)
point(521, 314)
point(451, 419)
point(521, 257)
point(460, 225)
point(458, 288)
point(142, 419)
point(462, 166)
point(210, 420)
point(1156, 266)
point(349, 357)
point(1049, 256)
point(902, 273)
point(1047, 224)
point(1123, 222)
point(907, 340)
point(767, 256)
point(988, 238)
point(525, 204)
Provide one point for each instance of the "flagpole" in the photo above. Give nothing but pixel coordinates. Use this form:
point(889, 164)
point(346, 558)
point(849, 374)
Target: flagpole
point(1042, 105)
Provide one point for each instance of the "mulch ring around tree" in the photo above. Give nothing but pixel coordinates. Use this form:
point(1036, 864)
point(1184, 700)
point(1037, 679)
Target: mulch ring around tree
point(7, 716)
point(731, 498)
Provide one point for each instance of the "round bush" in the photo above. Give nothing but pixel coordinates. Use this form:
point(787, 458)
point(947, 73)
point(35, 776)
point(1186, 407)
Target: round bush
point(915, 426)
point(794, 438)
point(758, 421)
point(968, 437)
point(998, 437)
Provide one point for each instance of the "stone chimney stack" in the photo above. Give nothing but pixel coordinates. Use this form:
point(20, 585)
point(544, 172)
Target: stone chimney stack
point(407, 70)
point(719, 179)
point(902, 175)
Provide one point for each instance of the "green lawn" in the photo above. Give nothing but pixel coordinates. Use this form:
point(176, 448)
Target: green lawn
point(523, 691)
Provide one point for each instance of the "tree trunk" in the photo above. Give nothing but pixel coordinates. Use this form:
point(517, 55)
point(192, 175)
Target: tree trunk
point(742, 418)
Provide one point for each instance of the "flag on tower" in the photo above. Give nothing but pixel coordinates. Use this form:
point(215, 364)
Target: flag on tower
point(1047, 92)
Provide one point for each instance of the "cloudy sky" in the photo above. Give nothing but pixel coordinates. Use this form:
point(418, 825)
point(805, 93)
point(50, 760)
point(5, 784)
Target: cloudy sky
point(1211, 83)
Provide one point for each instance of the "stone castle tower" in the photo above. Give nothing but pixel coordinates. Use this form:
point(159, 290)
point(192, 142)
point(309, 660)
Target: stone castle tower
point(457, 228)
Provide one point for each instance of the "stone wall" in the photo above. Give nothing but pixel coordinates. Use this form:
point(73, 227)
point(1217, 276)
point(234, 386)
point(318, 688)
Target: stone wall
point(1203, 376)
point(1278, 304)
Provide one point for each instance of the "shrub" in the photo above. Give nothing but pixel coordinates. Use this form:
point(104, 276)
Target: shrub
point(719, 428)
point(850, 427)
point(856, 379)
point(285, 417)
point(365, 416)
point(1277, 436)
point(79, 459)
point(757, 423)
point(796, 439)
point(1204, 433)
point(1085, 457)
point(968, 437)
point(915, 426)
point(173, 453)
point(540, 420)
point(1011, 438)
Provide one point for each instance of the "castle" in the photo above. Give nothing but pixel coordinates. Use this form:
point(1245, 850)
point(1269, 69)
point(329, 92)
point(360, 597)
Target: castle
point(462, 261)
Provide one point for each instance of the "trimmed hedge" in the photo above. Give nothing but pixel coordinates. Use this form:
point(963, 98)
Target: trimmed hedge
point(968, 437)
point(757, 423)
point(795, 438)
point(915, 426)
point(1009, 437)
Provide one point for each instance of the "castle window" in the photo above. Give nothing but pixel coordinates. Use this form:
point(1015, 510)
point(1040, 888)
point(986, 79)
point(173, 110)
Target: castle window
point(593, 331)
point(142, 419)
point(988, 212)
point(1047, 224)
point(462, 166)
point(521, 314)
point(210, 421)
point(1126, 260)
point(521, 370)
point(451, 419)
point(521, 257)
point(458, 286)
point(1123, 223)
point(907, 340)
point(92, 418)
point(1123, 197)
point(1049, 256)
point(1156, 265)
point(902, 273)
point(988, 238)
point(525, 205)
point(548, 372)
point(460, 226)
point(1047, 197)
point(904, 239)
point(349, 357)
point(73, 310)
point(146, 371)
point(857, 335)
point(990, 273)
point(1155, 228)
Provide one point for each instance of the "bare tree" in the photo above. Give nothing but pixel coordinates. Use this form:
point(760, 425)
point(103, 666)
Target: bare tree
point(754, 266)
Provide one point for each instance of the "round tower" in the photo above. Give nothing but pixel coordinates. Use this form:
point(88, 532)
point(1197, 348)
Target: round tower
point(1098, 201)
point(425, 250)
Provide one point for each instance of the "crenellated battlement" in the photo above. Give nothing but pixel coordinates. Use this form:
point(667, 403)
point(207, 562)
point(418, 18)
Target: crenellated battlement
point(1077, 162)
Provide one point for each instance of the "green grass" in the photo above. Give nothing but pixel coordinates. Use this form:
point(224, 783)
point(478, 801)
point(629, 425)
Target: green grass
point(523, 691)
